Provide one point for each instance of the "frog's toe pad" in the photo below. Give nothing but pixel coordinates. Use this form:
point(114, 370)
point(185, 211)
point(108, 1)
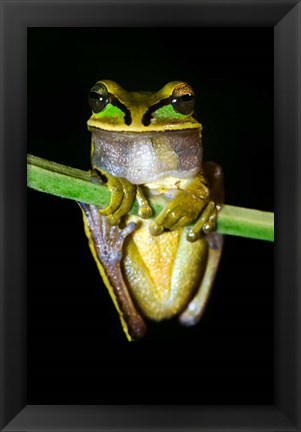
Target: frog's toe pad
point(205, 224)
point(145, 212)
point(156, 229)
point(191, 235)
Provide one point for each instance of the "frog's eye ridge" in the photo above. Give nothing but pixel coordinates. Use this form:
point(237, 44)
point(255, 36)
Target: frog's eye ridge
point(98, 97)
point(183, 99)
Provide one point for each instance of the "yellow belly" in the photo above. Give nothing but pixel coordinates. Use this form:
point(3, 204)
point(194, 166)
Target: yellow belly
point(162, 272)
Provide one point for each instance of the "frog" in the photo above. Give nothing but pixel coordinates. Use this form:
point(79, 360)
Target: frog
point(146, 146)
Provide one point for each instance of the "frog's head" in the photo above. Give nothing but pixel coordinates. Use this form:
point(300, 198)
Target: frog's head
point(115, 109)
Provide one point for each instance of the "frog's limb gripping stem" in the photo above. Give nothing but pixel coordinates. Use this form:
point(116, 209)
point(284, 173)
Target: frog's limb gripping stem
point(198, 203)
point(206, 222)
point(122, 197)
point(184, 208)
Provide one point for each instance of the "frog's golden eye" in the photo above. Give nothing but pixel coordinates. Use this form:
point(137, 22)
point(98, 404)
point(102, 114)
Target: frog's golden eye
point(182, 99)
point(98, 97)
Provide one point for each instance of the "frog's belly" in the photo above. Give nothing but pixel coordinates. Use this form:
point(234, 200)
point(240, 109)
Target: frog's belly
point(163, 272)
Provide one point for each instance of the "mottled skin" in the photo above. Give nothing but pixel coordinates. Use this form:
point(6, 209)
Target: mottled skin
point(148, 144)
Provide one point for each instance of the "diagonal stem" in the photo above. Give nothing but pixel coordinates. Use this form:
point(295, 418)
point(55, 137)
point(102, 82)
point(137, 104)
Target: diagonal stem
point(72, 183)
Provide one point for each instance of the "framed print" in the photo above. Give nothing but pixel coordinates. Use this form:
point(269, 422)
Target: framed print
point(65, 361)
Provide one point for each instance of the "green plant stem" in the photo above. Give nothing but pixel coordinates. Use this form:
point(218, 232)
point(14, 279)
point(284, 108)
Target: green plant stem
point(72, 183)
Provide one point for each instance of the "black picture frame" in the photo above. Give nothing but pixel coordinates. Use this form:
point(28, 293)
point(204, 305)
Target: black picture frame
point(284, 414)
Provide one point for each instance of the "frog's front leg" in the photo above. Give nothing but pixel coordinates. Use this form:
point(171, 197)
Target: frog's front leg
point(122, 196)
point(192, 204)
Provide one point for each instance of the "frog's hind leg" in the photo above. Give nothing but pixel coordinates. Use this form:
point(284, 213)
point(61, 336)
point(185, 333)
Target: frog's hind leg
point(197, 305)
point(106, 244)
point(195, 309)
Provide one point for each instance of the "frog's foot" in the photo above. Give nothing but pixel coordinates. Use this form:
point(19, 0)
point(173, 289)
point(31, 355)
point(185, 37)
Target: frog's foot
point(122, 197)
point(181, 211)
point(206, 223)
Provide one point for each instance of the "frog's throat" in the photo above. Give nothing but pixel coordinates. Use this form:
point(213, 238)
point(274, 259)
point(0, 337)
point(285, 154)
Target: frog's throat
point(146, 157)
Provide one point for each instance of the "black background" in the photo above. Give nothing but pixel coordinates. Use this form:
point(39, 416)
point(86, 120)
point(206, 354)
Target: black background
point(77, 352)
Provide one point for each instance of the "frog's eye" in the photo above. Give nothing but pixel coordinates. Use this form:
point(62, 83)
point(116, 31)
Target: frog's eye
point(182, 99)
point(98, 97)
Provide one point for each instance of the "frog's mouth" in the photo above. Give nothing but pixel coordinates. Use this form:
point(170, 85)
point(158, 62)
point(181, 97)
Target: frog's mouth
point(145, 157)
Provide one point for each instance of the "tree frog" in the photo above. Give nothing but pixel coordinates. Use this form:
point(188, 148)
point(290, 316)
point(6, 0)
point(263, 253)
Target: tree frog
point(148, 145)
